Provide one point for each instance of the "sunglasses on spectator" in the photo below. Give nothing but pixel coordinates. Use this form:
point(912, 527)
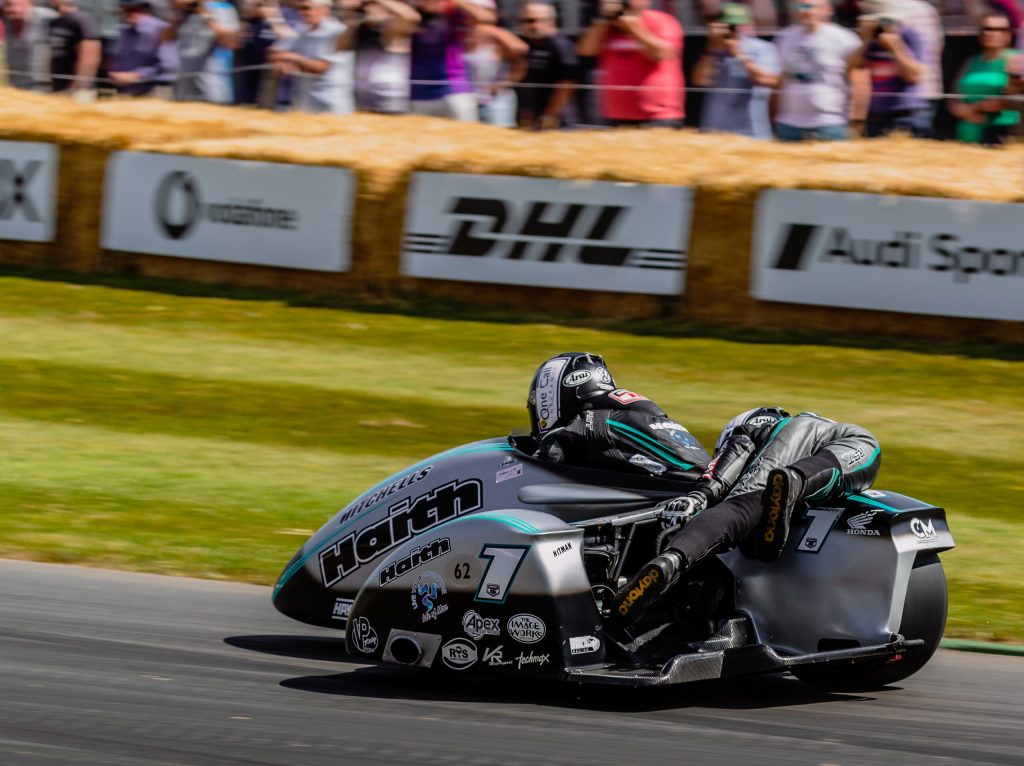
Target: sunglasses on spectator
point(995, 29)
point(801, 6)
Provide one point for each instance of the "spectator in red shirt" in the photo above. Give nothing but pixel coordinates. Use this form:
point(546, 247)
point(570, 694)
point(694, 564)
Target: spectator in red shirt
point(642, 49)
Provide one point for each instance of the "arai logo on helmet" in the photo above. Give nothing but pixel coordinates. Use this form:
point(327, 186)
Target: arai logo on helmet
point(577, 378)
point(526, 628)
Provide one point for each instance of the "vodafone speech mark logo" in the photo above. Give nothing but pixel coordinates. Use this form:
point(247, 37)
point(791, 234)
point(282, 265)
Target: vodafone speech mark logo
point(177, 205)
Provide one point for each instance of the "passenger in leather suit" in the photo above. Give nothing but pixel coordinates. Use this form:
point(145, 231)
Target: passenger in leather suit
point(766, 462)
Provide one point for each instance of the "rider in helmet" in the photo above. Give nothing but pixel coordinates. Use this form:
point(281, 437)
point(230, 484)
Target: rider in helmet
point(766, 462)
point(580, 417)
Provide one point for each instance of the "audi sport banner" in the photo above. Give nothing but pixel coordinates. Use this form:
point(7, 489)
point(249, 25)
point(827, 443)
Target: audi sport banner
point(268, 214)
point(916, 255)
point(582, 235)
point(28, 191)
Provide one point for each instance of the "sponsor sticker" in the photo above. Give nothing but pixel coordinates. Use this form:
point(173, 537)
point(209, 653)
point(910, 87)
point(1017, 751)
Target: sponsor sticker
point(477, 627)
point(924, 530)
point(563, 548)
point(624, 396)
point(577, 378)
point(652, 466)
point(495, 658)
point(860, 525)
point(364, 637)
point(377, 496)
point(426, 595)
point(511, 472)
point(584, 644)
point(417, 556)
point(526, 628)
point(531, 659)
point(406, 519)
point(342, 609)
point(872, 493)
point(459, 654)
point(545, 393)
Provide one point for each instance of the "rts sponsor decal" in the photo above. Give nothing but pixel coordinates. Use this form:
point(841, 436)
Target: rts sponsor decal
point(406, 518)
point(477, 627)
point(364, 637)
point(342, 609)
point(458, 654)
point(432, 550)
point(624, 396)
point(526, 628)
point(584, 644)
point(426, 595)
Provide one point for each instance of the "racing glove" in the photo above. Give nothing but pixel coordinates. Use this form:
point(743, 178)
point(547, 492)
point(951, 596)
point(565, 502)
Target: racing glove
point(679, 510)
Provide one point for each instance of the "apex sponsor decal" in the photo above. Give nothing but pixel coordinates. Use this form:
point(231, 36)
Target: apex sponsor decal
point(417, 556)
point(477, 627)
point(526, 628)
point(406, 518)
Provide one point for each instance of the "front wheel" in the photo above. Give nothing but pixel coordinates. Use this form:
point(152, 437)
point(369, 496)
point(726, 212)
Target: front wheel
point(924, 617)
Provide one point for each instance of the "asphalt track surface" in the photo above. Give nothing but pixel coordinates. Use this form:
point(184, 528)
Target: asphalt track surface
point(100, 667)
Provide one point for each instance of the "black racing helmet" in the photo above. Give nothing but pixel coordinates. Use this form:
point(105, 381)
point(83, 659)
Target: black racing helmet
point(561, 386)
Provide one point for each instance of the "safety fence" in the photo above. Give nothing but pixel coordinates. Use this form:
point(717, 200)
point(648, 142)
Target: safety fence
point(892, 237)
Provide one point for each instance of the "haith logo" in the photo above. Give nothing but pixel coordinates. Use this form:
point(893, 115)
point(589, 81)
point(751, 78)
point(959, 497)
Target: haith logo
point(584, 233)
point(177, 205)
point(14, 195)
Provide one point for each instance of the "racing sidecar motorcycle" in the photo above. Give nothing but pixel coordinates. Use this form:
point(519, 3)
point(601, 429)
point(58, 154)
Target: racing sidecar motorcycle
point(485, 562)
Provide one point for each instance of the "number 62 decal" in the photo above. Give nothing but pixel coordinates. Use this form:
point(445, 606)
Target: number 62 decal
point(503, 562)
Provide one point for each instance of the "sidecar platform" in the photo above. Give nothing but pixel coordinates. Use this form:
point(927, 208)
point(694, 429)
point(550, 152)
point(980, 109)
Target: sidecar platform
point(727, 655)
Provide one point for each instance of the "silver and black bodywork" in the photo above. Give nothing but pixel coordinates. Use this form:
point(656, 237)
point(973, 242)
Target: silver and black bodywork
point(482, 561)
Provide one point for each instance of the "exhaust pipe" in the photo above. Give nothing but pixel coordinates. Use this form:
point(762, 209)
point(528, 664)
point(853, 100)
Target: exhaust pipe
point(406, 650)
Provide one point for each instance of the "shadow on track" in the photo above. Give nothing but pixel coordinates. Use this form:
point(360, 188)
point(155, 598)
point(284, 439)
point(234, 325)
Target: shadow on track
point(388, 682)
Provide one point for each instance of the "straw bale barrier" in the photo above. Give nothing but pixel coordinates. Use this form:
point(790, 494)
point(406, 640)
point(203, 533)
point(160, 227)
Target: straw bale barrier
point(727, 172)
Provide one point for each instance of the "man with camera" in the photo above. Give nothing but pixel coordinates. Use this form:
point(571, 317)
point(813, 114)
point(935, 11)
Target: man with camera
point(893, 55)
point(205, 34)
point(639, 53)
point(742, 69)
point(380, 33)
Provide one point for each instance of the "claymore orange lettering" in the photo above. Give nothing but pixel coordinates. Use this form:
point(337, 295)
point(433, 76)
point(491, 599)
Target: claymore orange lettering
point(634, 595)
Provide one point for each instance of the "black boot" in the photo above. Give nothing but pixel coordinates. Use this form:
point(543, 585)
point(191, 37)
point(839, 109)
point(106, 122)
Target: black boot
point(817, 477)
point(646, 587)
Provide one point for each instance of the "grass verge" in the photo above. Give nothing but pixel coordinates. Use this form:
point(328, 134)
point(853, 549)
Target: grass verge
point(202, 435)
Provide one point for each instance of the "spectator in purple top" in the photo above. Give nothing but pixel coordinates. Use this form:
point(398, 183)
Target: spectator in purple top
point(141, 59)
point(439, 86)
point(893, 55)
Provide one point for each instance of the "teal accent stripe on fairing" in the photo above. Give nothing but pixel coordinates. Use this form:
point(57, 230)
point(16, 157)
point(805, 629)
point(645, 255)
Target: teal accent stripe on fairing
point(883, 506)
point(511, 521)
point(469, 450)
point(647, 443)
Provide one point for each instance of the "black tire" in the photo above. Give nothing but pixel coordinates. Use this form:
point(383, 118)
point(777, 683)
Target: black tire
point(924, 617)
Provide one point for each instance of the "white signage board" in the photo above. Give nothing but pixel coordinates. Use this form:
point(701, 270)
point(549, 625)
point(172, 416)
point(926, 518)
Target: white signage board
point(262, 213)
point(28, 191)
point(915, 255)
point(542, 232)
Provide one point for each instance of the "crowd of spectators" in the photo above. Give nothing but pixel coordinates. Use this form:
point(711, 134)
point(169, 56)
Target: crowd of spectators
point(869, 67)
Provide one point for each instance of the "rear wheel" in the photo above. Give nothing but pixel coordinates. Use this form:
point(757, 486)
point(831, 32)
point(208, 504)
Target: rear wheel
point(924, 617)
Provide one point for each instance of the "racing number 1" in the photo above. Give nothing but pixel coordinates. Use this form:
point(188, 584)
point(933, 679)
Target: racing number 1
point(503, 562)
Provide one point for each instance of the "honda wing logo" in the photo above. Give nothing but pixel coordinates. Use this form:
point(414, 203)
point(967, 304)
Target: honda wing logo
point(177, 205)
point(861, 520)
point(15, 196)
point(540, 231)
